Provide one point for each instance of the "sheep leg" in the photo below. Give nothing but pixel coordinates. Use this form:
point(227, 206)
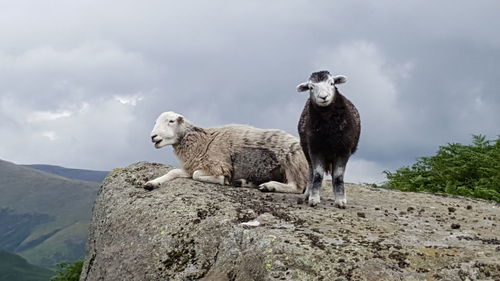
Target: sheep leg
point(309, 183)
point(172, 174)
point(338, 183)
point(200, 175)
point(274, 186)
point(315, 182)
point(243, 183)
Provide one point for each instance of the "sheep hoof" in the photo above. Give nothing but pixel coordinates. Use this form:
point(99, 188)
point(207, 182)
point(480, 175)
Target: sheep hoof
point(341, 204)
point(150, 185)
point(266, 188)
point(313, 201)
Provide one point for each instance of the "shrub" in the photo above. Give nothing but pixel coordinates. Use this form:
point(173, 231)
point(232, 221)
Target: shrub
point(68, 271)
point(467, 170)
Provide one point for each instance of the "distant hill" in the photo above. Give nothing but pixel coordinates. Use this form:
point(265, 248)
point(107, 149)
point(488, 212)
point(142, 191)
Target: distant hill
point(44, 217)
point(76, 174)
point(15, 268)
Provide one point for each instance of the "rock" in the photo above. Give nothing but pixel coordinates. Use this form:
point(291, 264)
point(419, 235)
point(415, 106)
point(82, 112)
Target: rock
point(187, 230)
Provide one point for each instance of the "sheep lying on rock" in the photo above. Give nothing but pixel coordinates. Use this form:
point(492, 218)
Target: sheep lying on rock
point(329, 130)
point(235, 154)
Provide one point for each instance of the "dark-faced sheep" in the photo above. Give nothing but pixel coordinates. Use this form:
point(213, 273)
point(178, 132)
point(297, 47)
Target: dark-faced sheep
point(329, 130)
point(235, 154)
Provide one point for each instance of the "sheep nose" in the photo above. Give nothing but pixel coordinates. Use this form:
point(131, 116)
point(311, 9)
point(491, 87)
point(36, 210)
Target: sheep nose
point(153, 138)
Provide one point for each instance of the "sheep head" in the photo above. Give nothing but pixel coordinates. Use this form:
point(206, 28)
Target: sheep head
point(168, 130)
point(321, 87)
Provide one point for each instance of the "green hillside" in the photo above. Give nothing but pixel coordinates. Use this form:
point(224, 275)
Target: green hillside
point(44, 217)
point(76, 174)
point(15, 268)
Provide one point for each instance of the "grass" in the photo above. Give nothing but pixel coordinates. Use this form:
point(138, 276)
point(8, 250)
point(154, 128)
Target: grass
point(16, 268)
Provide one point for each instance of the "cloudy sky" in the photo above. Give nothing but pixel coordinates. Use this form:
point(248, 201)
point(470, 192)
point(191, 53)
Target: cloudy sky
point(81, 83)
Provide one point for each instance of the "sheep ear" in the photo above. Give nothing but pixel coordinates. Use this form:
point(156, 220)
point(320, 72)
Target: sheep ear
point(339, 79)
point(180, 119)
point(302, 87)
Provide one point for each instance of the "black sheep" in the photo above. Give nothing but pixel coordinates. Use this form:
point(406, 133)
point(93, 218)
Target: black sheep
point(329, 130)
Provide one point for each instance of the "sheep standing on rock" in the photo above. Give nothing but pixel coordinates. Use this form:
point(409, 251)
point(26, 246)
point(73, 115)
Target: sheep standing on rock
point(235, 154)
point(329, 130)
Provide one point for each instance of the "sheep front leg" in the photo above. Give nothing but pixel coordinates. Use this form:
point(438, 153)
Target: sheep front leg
point(338, 183)
point(274, 186)
point(172, 174)
point(315, 183)
point(200, 175)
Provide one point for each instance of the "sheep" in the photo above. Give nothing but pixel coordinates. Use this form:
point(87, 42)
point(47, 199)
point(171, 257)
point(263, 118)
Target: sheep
point(329, 129)
point(239, 155)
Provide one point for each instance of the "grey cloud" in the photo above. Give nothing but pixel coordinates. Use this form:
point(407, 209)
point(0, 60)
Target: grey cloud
point(420, 76)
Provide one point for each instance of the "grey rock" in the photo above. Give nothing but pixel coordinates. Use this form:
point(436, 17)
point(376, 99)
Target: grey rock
point(188, 230)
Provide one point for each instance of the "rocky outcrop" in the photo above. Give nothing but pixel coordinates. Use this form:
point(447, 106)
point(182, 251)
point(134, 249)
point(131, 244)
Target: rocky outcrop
point(188, 230)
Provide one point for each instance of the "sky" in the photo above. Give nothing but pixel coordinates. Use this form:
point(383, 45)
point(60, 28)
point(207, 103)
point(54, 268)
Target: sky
point(82, 82)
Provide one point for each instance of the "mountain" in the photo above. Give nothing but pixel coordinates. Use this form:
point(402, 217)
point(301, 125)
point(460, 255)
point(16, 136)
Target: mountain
point(76, 174)
point(44, 217)
point(15, 268)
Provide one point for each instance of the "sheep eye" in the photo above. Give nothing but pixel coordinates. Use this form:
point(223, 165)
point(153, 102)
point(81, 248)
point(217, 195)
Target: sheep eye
point(171, 121)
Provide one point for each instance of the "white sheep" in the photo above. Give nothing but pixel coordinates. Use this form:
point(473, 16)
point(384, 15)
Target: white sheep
point(234, 154)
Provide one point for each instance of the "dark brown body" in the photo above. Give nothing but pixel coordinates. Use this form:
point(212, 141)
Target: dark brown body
point(329, 132)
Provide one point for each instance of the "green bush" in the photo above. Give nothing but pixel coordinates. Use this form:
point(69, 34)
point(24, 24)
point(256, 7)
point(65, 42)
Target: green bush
point(467, 170)
point(68, 271)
